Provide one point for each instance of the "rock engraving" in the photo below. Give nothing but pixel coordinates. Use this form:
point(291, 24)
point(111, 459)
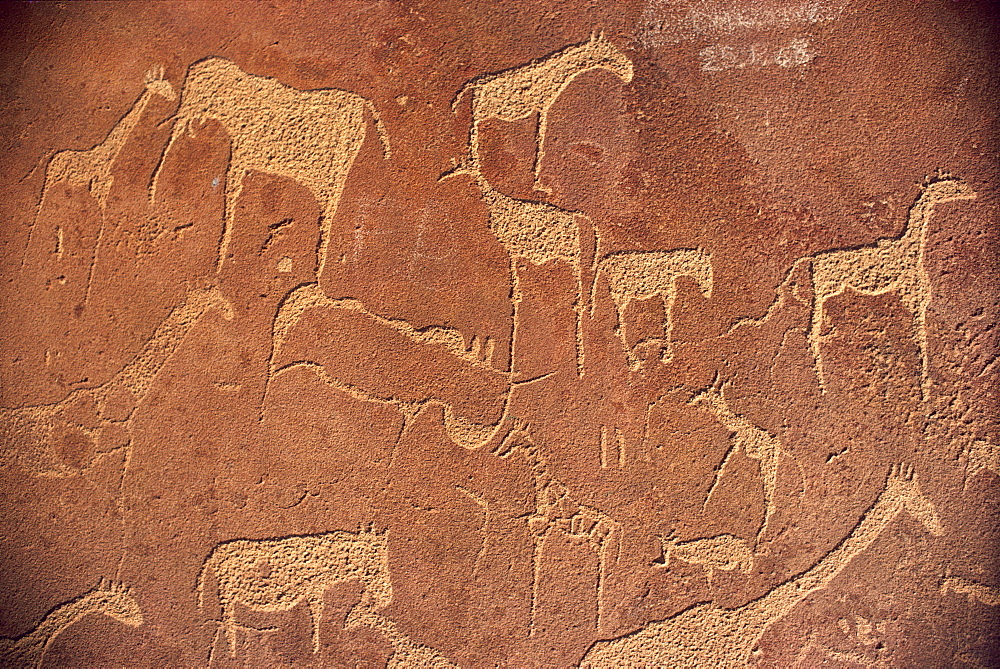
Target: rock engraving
point(276, 574)
point(110, 599)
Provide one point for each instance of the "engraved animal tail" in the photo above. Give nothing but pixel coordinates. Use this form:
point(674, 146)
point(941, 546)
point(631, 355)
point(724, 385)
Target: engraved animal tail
point(383, 136)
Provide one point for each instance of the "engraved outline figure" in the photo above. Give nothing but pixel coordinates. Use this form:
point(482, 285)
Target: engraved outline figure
point(91, 168)
point(639, 275)
point(889, 265)
point(272, 575)
point(519, 92)
point(707, 635)
point(312, 137)
point(111, 599)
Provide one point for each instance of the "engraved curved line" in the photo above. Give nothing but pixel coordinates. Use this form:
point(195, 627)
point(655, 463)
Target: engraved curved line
point(110, 599)
point(708, 635)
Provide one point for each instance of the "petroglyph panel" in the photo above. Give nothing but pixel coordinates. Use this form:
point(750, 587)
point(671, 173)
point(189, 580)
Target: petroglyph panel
point(660, 333)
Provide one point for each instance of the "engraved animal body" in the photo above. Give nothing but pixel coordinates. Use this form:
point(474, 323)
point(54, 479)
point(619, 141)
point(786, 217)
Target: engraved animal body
point(974, 591)
point(91, 168)
point(891, 265)
point(110, 599)
point(312, 137)
point(276, 574)
point(555, 509)
point(723, 553)
point(638, 275)
point(707, 635)
point(518, 93)
point(407, 653)
point(32, 430)
point(539, 233)
point(755, 443)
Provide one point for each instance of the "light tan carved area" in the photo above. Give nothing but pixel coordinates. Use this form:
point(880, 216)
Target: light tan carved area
point(891, 265)
point(533, 88)
point(277, 574)
point(598, 491)
point(752, 441)
point(639, 275)
point(556, 510)
point(60, 439)
point(91, 168)
point(708, 635)
point(114, 600)
point(312, 137)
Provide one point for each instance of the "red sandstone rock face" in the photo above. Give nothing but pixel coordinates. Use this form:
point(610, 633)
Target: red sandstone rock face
point(499, 334)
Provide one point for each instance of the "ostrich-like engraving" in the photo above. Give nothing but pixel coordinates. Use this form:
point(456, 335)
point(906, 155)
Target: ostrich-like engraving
point(638, 275)
point(406, 652)
point(556, 509)
point(33, 429)
point(91, 168)
point(519, 92)
point(312, 137)
point(891, 265)
point(110, 599)
point(707, 635)
point(276, 574)
point(723, 553)
point(754, 442)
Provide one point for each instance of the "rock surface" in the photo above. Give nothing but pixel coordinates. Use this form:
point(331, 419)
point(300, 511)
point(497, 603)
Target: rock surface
point(370, 333)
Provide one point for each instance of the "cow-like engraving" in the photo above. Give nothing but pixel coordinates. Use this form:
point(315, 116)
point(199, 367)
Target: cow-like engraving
point(110, 599)
point(312, 137)
point(639, 275)
point(708, 635)
point(755, 443)
point(890, 265)
point(519, 92)
point(276, 574)
point(35, 430)
point(555, 509)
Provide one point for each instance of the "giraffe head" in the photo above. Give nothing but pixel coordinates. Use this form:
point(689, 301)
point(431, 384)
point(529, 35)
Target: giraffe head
point(598, 52)
point(116, 601)
point(902, 487)
point(156, 83)
point(945, 189)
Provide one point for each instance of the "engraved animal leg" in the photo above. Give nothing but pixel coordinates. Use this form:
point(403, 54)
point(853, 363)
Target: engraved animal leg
point(315, 616)
point(540, 150)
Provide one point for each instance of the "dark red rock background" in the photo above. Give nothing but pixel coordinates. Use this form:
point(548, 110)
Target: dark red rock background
point(158, 403)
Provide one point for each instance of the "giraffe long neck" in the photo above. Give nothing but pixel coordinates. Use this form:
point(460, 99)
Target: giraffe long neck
point(29, 648)
point(776, 604)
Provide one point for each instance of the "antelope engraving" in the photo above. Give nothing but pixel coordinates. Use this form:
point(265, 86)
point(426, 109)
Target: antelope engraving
point(110, 599)
point(708, 635)
point(271, 575)
point(638, 275)
point(312, 137)
point(890, 265)
point(755, 443)
point(519, 92)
